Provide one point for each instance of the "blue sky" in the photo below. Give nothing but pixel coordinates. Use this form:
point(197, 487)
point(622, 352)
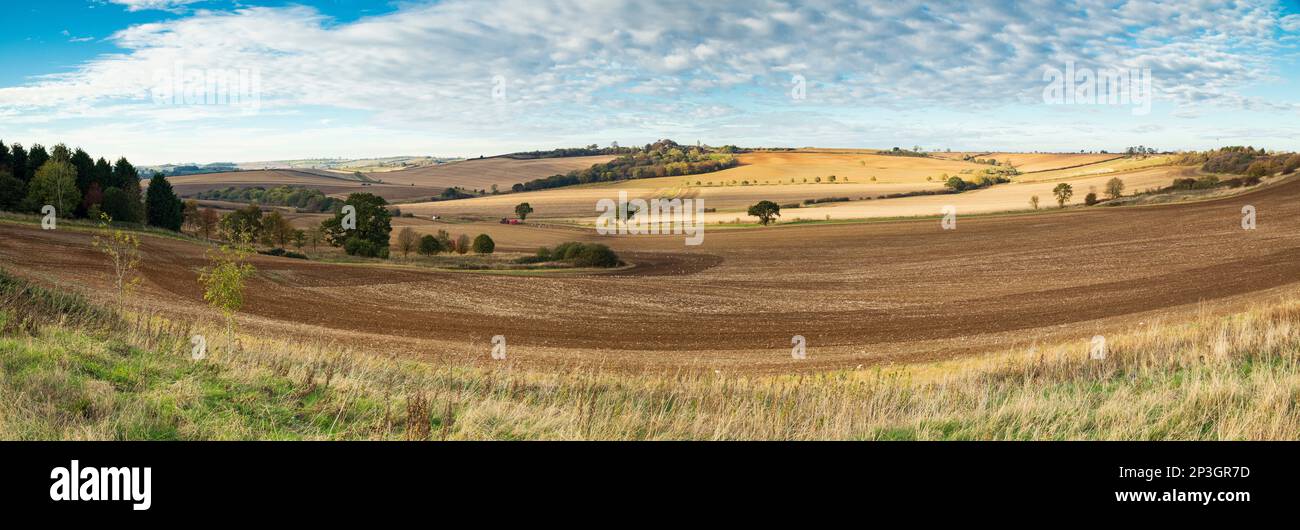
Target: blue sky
point(468, 77)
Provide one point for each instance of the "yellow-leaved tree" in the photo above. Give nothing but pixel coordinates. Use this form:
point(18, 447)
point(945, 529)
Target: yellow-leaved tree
point(123, 251)
point(223, 280)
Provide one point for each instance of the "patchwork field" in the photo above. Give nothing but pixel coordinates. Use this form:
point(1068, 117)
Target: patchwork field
point(768, 175)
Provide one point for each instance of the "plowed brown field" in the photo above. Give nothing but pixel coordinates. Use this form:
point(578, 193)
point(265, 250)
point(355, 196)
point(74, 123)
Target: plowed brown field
point(861, 294)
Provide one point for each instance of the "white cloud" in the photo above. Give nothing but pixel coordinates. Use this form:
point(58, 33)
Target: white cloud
point(571, 64)
point(163, 5)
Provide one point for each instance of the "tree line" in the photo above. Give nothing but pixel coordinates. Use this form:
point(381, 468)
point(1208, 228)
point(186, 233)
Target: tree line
point(664, 158)
point(79, 186)
point(302, 198)
point(1243, 160)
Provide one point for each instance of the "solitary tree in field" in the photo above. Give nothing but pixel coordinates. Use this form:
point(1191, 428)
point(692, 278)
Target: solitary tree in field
point(1114, 188)
point(1063, 192)
point(407, 241)
point(123, 251)
point(765, 211)
point(1033, 201)
point(522, 210)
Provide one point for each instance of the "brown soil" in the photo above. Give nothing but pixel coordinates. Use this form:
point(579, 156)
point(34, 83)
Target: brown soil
point(861, 294)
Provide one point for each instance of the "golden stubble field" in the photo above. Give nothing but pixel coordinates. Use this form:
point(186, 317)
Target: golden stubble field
point(769, 176)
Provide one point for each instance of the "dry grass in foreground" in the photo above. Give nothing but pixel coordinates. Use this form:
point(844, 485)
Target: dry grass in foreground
point(69, 370)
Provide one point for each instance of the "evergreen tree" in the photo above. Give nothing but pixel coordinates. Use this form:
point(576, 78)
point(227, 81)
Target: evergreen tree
point(124, 174)
point(162, 206)
point(127, 179)
point(103, 174)
point(117, 205)
point(85, 169)
point(12, 190)
point(36, 158)
point(18, 163)
point(4, 157)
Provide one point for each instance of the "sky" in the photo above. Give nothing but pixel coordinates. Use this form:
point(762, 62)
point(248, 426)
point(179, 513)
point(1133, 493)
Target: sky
point(174, 81)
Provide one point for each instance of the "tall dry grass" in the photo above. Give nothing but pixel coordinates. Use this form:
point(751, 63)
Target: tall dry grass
point(106, 377)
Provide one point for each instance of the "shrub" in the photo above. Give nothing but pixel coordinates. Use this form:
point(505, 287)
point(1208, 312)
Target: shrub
point(1090, 199)
point(1207, 182)
point(579, 254)
point(357, 246)
point(1259, 168)
point(596, 256)
point(1291, 164)
point(483, 244)
point(825, 200)
point(430, 245)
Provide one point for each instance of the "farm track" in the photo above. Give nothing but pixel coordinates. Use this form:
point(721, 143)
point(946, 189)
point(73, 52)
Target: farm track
point(861, 294)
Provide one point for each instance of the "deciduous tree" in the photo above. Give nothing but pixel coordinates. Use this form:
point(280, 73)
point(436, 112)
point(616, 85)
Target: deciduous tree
point(765, 211)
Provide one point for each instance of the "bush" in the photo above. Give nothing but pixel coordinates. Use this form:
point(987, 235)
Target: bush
point(596, 256)
point(1090, 199)
point(484, 244)
point(279, 252)
point(579, 254)
point(1291, 165)
point(826, 200)
point(1259, 168)
point(357, 246)
point(430, 245)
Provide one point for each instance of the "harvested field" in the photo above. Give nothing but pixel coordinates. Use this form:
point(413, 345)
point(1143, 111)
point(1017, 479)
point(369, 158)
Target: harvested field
point(578, 204)
point(1034, 162)
point(482, 173)
point(862, 294)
